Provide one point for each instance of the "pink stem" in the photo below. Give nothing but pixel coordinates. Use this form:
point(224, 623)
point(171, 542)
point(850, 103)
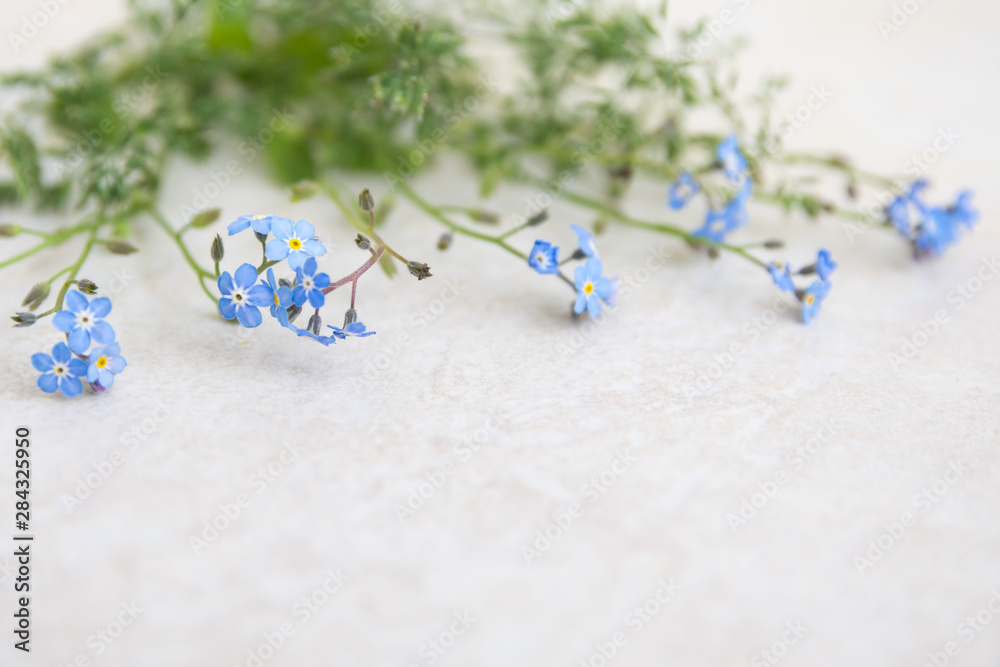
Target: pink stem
point(353, 278)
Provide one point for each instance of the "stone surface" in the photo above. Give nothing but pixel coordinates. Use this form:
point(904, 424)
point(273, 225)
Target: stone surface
point(528, 412)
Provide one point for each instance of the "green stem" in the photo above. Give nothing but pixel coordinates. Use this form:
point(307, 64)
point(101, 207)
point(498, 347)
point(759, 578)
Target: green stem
point(438, 215)
point(53, 278)
point(75, 268)
point(199, 271)
point(53, 239)
point(837, 164)
point(265, 265)
point(665, 228)
point(355, 220)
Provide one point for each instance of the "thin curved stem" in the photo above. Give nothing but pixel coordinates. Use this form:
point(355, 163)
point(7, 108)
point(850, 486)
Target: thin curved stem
point(75, 268)
point(665, 228)
point(51, 240)
point(200, 272)
point(353, 277)
point(438, 215)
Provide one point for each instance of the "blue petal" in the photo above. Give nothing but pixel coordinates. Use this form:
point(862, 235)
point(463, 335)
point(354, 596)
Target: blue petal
point(42, 362)
point(299, 295)
point(103, 333)
point(76, 301)
point(92, 373)
point(79, 341)
point(77, 367)
point(70, 386)
point(48, 383)
point(282, 230)
point(238, 225)
point(304, 230)
point(581, 300)
point(263, 225)
point(314, 248)
point(100, 306)
point(105, 378)
point(276, 250)
point(65, 321)
point(245, 276)
point(225, 283)
point(604, 288)
point(260, 295)
point(272, 283)
point(586, 240)
point(116, 364)
point(579, 279)
point(321, 280)
point(308, 268)
point(296, 258)
point(594, 268)
point(316, 298)
point(593, 305)
point(249, 316)
point(61, 353)
point(227, 308)
point(284, 296)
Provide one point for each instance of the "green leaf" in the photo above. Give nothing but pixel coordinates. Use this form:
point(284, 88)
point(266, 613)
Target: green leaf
point(205, 218)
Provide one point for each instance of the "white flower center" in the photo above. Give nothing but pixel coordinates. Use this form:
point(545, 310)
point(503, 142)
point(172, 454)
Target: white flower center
point(307, 283)
point(85, 319)
point(239, 297)
point(59, 369)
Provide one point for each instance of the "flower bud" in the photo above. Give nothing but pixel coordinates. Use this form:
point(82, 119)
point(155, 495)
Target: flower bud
point(119, 247)
point(421, 271)
point(36, 295)
point(366, 201)
point(315, 324)
point(205, 218)
point(218, 250)
point(24, 319)
point(9, 230)
point(285, 282)
point(350, 317)
point(713, 252)
point(445, 241)
point(260, 237)
point(486, 217)
point(304, 190)
point(578, 254)
point(293, 312)
point(774, 244)
point(538, 218)
point(363, 242)
point(86, 286)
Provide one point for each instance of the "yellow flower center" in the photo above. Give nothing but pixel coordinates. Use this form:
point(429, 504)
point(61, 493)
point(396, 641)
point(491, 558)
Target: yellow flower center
point(588, 288)
point(294, 244)
point(810, 299)
point(102, 362)
point(58, 370)
point(259, 217)
point(276, 302)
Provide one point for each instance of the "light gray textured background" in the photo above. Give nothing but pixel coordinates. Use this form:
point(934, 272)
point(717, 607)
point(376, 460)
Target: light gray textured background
point(200, 409)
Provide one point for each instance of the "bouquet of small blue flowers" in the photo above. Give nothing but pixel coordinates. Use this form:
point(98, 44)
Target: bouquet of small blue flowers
point(385, 97)
point(90, 352)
